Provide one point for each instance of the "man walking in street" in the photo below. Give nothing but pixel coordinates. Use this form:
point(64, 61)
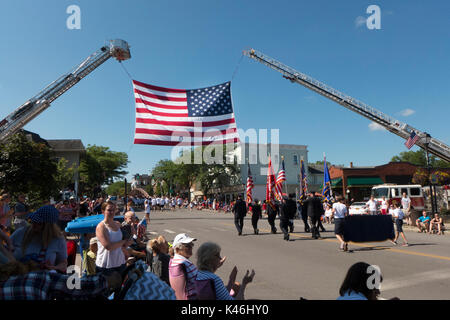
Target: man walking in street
point(314, 210)
point(287, 213)
point(239, 210)
point(271, 215)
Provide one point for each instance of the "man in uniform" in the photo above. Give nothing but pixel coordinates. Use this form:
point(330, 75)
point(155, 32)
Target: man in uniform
point(239, 210)
point(287, 213)
point(314, 210)
point(271, 215)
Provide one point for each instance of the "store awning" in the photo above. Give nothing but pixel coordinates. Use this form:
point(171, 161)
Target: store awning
point(363, 181)
point(336, 182)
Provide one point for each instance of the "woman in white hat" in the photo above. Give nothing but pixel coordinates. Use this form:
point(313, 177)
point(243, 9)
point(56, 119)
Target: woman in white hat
point(182, 272)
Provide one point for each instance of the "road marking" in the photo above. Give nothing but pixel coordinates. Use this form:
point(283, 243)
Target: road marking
point(153, 232)
point(169, 231)
point(415, 279)
point(366, 245)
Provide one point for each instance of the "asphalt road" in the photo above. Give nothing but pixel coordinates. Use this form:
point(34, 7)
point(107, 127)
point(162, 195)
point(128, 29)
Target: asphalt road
point(313, 269)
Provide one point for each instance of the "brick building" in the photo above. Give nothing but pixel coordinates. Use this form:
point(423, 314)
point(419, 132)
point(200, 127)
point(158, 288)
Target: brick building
point(357, 182)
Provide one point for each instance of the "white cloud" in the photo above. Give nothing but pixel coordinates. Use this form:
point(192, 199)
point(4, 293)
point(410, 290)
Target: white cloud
point(407, 112)
point(360, 21)
point(373, 126)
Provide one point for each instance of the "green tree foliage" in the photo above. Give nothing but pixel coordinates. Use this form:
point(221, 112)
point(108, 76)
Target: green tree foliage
point(27, 167)
point(419, 158)
point(64, 175)
point(101, 166)
point(117, 188)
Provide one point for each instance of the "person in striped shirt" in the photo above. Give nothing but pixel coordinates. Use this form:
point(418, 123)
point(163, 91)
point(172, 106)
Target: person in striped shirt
point(182, 272)
point(209, 285)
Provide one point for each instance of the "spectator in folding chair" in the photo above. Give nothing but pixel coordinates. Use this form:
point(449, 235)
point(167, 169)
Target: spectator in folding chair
point(437, 224)
point(423, 223)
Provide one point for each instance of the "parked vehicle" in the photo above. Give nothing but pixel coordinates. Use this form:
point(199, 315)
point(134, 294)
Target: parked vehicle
point(358, 208)
point(395, 192)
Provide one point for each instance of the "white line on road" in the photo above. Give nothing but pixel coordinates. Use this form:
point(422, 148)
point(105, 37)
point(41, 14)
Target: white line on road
point(152, 232)
point(414, 279)
point(219, 229)
point(169, 231)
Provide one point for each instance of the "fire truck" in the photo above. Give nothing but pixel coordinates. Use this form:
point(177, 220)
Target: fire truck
point(394, 192)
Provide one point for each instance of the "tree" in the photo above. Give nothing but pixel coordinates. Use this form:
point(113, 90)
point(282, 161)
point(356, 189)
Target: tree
point(101, 166)
point(27, 167)
point(64, 176)
point(419, 158)
point(118, 188)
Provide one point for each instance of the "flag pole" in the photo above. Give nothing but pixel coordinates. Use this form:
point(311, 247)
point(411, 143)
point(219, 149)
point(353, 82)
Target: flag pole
point(285, 185)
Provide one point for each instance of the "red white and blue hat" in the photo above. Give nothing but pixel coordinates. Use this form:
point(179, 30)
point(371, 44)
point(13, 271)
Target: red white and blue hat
point(45, 214)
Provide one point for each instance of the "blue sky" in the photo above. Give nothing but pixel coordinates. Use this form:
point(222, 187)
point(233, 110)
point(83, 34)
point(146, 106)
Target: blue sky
point(402, 69)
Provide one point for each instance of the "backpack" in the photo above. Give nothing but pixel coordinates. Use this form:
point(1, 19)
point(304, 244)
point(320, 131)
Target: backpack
point(205, 289)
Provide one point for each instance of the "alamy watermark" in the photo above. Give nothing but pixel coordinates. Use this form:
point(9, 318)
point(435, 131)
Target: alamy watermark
point(374, 280)
point(74, 20)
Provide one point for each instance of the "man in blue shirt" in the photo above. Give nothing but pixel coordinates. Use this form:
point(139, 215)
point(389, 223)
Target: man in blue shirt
point(423, 223)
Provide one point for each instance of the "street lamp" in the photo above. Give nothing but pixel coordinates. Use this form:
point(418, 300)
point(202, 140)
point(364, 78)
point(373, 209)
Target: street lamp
point(427, 142)
point(348, 196)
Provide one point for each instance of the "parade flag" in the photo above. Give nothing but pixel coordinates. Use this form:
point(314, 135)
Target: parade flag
point(411, 140)
point(326, 192)
point(270, 185)
point(178, 117)
point(250, 185)
point(303, 182)
point(281, 178)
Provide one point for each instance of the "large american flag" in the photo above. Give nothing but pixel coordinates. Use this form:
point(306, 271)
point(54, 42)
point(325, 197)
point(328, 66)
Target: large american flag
point(411, 140)
point(250, 186)
point(178, 117)
point(281, 178)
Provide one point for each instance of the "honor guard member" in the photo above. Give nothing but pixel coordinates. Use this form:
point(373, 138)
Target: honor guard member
point(256, 215)
point(287, 212)
point(239, 210)
point(303, 214)
point(314, 210)
point(271, 215)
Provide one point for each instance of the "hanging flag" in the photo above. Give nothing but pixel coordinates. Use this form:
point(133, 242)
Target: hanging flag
point(142, 228)
point(270, 197)
point(411, 140)
point(326, 192)
point(281, 178)
point(303, 183)
point(250, 186)
point(178, 117)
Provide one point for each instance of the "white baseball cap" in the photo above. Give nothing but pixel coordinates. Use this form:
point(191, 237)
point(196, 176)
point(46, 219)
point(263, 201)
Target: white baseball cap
point(182, 238)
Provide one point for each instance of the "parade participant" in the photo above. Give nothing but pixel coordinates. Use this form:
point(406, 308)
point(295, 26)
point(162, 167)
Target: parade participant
point(209, 285)
point(182, 272)
point(339, 212)
point(372, 205)
point(324, 206)
point(304, 215)
point(384, 206)
point(314, 210)
point(42, 241)
point(406, 206)
point(287, 212)
point(399, 215)
point(20, 212)
point(239, 210)
point(423, 223)
point(110, 255)
point(256, 214)
point(271, 216)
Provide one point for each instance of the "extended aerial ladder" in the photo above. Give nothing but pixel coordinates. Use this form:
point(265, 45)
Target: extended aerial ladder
point(434, 146)
point(118, 49)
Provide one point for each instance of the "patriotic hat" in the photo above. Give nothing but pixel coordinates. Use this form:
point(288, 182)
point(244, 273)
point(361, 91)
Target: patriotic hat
point(44, 214)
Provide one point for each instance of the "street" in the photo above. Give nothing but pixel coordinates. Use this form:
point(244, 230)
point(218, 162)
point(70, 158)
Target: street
point(312, 269)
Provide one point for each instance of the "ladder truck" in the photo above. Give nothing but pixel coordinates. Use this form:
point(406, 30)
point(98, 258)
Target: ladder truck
point(425, 141)
point(118, 49)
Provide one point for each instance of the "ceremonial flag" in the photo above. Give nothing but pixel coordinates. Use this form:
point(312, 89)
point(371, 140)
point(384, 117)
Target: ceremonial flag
point(270, 185)
point(250, 185)
point(326, 192)
point(303, 182)
point(178, 117)
point(411, 140)
point(281, 178)
point(142, 228)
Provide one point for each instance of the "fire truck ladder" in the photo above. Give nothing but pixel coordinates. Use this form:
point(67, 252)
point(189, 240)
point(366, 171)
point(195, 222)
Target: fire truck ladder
point(436, 147)
point(118, 49)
